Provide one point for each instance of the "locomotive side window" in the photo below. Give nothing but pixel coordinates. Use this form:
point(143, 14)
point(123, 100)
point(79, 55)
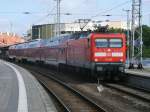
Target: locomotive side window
point(101, 42)
point(115, 43)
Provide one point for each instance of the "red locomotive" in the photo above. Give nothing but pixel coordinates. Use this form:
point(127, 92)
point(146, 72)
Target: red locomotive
point(103, 54)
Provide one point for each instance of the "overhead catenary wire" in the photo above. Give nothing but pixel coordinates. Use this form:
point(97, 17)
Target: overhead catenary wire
point(108, 10)
point(78, 6)
point(47, 15)
point(99, 14)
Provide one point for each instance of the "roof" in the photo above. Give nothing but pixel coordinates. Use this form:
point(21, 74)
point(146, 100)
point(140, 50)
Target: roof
point(7, 39)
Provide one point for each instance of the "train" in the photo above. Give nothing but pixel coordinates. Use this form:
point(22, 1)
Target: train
point(103, 54)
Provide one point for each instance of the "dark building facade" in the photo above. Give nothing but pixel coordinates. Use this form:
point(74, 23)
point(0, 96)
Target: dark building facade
point(43, 31)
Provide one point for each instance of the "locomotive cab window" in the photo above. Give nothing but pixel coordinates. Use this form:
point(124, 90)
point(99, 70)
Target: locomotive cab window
point(115, 43)
point(101, 42)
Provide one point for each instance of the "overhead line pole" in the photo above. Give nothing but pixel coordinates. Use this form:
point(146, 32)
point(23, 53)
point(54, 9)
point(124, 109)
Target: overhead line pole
point(58, 18)
point(128, 35)
point(137, 40)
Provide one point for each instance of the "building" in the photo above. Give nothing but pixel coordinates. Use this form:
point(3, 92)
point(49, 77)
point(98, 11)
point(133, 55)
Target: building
point(115, 24)
point(49, 30)
point(42, 31)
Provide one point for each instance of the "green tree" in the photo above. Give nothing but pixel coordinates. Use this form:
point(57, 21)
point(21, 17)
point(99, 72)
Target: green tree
point(146, 41)
point(146, 36)
point(116, 30)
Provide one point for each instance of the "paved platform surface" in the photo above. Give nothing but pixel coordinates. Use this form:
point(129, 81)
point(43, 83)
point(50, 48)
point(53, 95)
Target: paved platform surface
point(145, 72)
point(21, 92)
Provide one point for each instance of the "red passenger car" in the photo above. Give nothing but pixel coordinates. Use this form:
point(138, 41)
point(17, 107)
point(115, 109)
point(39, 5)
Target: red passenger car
point(103, 54)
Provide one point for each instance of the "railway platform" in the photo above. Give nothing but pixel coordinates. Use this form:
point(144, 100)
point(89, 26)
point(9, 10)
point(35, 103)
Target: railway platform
point(21, 92)
point(144, 73)
point(138, 78)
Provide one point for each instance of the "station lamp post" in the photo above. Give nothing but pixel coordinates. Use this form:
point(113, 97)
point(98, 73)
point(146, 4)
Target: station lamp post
point(128, 34)
point(58, 18)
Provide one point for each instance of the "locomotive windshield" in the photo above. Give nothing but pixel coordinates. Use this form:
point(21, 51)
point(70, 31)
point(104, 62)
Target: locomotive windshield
point(101, 42)
point(115, 42)
point(112, 43)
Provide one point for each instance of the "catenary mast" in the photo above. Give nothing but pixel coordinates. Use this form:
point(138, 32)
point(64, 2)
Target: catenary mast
point(57, 24)
point(136, 35)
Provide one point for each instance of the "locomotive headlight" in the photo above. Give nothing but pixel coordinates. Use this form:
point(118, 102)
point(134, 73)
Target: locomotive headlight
point(117, 54)
point(96, 60)
point(121, 60)
point(101, 54)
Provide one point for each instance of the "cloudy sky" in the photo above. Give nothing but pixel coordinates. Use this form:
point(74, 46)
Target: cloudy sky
point(13, 16)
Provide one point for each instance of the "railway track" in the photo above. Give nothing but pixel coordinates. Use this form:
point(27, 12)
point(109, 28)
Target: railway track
point(44, 75)
point(137, 81)
point(137, 93)
point(71, 99)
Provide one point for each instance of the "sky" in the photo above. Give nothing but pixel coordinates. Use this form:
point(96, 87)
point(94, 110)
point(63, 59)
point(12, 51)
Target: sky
point(14, 19)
